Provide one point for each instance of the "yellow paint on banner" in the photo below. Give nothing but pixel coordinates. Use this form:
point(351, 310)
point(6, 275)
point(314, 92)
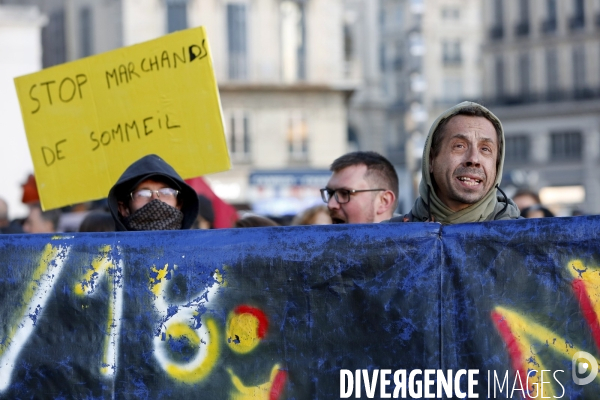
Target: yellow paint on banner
point(103, 265)
point(156, 284)
point(242, 334)
point(196, 372)
point(88, 120)
point(262, 391)
point(48, 257)
point(528, 337)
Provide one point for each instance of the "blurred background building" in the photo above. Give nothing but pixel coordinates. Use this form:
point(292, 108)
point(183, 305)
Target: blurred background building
point(304, 81)
point(542, 79)
point(279, 65)
point(412, 60)
point(21, 53)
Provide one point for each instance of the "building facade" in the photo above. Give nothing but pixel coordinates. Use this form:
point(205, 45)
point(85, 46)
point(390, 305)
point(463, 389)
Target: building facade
point(416, 59)
point(76, 28)
point(279, 66)
point(542, 73)
point(20, 28)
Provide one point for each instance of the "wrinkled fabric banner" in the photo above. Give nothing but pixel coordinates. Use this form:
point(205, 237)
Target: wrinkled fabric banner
point(303, 312)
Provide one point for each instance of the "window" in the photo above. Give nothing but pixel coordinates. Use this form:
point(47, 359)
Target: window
point(297, 137)
point(450, 13)
point(578, 7)
point(236, 41)
point(499, 75)
point(451, 54)
point(497, 30)
point(549, 25)
point(239, 136)
point(517, 148)
point(85, 29)
point(524, 76)
point(293, 40)
point(522, 28)
point(176, 15)
point(54, 40)
point(85, 32)
point(552, 78)
point(566, 146)
point(524, 10)
point(402, 89)
point(348, 43)
point(577, 20)
point(382, 57)
point(398, 62)
point(499, 11)
point(579, 69)
point(348, 50)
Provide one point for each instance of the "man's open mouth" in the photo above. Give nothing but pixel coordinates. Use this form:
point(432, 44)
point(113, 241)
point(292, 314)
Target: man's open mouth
point(470, 181)
point(338, 221)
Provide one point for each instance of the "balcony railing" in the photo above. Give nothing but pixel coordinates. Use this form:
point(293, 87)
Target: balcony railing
point(549, 26)
point(585, 93)
point(452, 60)
point(577, 23)
point(522, 29)
point(551, 96)
point(496, 32)
point(398, 63)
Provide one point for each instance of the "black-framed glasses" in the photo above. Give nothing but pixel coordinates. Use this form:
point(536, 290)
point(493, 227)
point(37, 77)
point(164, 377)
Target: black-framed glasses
point(146, 194)
point(342, 196)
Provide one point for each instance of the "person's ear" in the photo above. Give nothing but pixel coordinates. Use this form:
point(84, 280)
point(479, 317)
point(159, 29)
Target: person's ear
point(123, 209)
point(387, 199)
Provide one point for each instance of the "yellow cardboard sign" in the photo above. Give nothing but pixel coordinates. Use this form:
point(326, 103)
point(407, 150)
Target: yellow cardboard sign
point(88, 120)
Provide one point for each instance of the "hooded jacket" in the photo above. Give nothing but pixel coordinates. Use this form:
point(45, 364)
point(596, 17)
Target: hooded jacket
point(428, 207)
point(145, 168)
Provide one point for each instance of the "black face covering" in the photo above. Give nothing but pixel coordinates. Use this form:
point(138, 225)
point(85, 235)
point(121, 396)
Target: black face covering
point(154, 216)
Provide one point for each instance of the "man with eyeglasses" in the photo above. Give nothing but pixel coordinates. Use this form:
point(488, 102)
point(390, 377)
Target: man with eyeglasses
point(150, 195)
point(362, 189)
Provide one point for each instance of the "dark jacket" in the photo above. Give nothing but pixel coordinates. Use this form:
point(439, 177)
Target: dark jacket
point(145, 168)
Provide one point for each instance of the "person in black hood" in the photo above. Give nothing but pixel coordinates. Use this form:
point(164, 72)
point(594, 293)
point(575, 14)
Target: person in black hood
point(150, 195)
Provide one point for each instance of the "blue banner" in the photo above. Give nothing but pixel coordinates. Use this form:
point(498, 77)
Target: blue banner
point(505, 309)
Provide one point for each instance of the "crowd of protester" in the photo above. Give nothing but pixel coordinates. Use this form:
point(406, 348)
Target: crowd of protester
point(95, 217)
point(461, 175)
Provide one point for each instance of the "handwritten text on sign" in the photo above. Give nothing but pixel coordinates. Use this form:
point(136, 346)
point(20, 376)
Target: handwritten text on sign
point(87, 120)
